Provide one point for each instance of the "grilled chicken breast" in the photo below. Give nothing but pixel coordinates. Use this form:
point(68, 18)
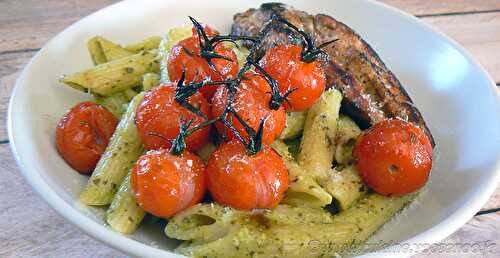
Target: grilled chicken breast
point(371, 92)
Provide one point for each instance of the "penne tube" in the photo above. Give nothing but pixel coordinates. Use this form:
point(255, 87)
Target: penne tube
point(124, 214)
point(115, 76)
point(123, 150)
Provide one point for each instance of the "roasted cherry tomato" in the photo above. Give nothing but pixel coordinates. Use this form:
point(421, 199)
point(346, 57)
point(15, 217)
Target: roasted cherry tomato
point(209, 31)
point(185, 56)
point(165, 184)
point(306, 80)
point(159, 116)
point(82, 135)
point(246, 181)
point(394, 157)
point(252, 104)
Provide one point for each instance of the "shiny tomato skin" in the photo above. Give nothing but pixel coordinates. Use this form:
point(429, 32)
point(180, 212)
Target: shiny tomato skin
point(83, 134)
point(165, 184)
point(185, 56)
point(245, 181)
point(284, 64)
point(394, 157)
point(158, 118)
point(252, 104)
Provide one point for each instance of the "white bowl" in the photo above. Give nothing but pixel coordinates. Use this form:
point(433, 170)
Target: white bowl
point(456, 96)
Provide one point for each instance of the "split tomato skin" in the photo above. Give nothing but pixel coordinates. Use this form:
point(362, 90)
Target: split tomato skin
point(252, 105)
point(83, 134)
point(165, 184)
point(245, 181)
point(159, 115)
point(185, 57)
point(394, 157)
point(306, 80)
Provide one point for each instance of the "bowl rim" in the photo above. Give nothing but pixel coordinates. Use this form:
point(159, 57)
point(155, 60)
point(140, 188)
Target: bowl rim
point(127, 245)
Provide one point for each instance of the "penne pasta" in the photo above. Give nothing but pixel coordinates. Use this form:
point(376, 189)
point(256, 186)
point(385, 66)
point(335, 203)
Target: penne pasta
point(116, 103)
point(294, 125)
point(95, 51)
point(344, 185)
point(297, 232)
point(289, 214)
point(370, 213)
point(124, 214)
point(173, 36)
point(347, 134)
point(103, 50)
point(302, 189)
point(319, 133)
point(144, 45)
point(123, 150)
point(149, 81)
point(202, 223)
point(115, 76)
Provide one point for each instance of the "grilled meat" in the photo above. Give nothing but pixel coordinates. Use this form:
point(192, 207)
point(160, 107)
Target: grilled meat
point(371, 92)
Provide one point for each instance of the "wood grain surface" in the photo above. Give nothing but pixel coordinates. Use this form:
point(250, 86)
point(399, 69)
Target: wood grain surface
point(424, 8)
point(35, 230)
point(29, 228)
point(28, 24)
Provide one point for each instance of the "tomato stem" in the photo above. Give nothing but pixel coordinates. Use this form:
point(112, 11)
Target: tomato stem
point(179, 143)
point(217, 39)
point(277, 98)
point(207, 46)
point(182, 92)
point(207, 50)
point(310, 51)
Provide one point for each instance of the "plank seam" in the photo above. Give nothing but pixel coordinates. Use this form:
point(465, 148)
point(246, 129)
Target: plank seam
point(488, 211)
point(18, 51)
point(456, 13)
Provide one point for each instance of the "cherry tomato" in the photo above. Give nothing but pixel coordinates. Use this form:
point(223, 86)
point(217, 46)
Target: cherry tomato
point(209, 31)
point(308, 81)
point(394, 157)
point(252, 104)
point(159, 116)
point(165, 184)
point(246, 182)
point(185, 56)
point(82, 135)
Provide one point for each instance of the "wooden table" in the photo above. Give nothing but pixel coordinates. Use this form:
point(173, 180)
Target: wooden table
point(29, 228)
